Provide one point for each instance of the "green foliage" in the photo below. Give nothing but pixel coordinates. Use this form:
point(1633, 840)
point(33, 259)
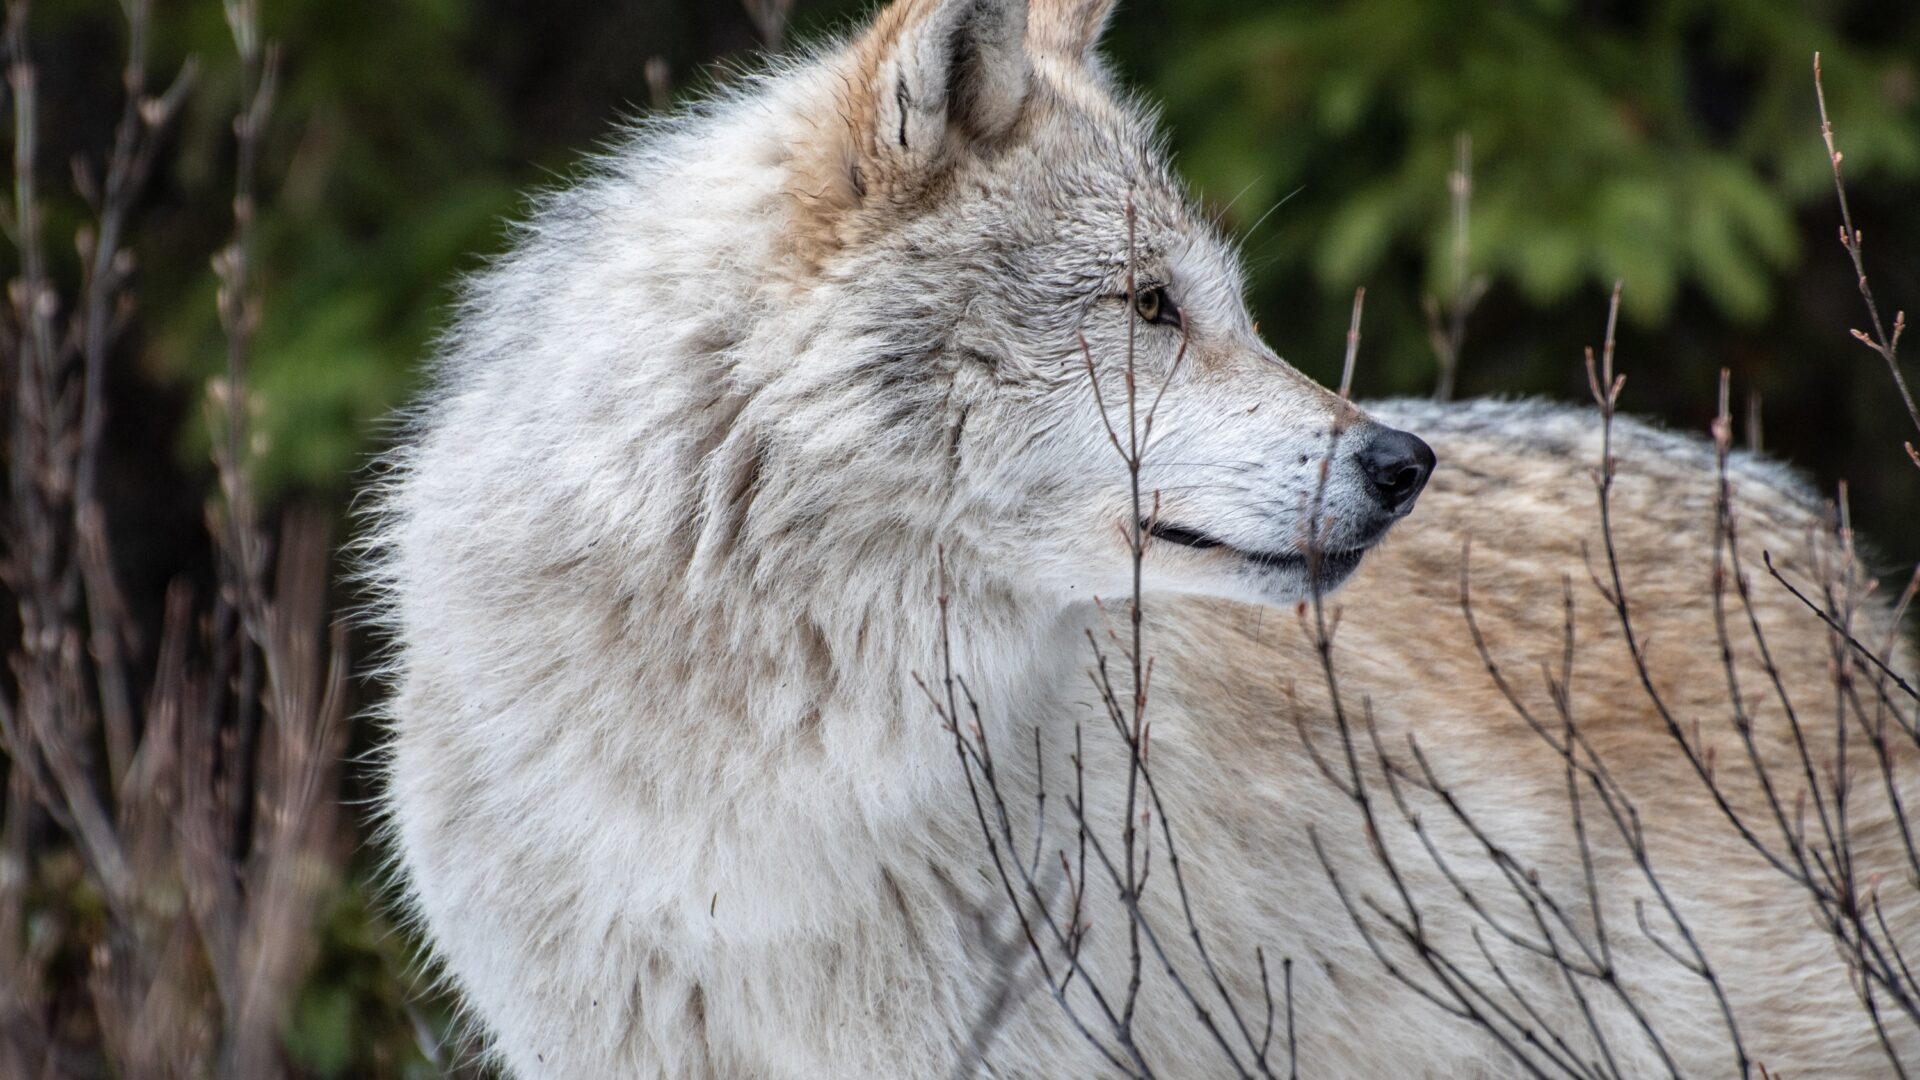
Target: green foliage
point(1667, 144)
point(361, 1014)
point(386, 175)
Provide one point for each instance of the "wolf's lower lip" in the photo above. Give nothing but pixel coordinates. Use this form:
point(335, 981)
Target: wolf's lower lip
point(1329, 563)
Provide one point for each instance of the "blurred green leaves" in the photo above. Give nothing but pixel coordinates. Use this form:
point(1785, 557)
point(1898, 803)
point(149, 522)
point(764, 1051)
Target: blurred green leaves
point(1666, 143)
point(388, 169)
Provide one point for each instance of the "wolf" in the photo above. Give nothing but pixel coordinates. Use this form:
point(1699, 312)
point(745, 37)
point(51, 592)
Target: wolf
point(814, 381)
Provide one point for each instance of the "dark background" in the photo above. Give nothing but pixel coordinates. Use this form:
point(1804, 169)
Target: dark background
point(1673, 145)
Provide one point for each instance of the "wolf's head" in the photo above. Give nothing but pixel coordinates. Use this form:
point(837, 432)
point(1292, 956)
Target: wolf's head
point(994, 233)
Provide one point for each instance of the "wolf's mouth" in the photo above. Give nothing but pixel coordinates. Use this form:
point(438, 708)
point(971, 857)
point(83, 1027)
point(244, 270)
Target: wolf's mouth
point(1329, 564)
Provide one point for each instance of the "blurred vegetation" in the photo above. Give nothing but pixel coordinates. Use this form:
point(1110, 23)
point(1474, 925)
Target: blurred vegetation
point(1670, 144)
point(1673, 145)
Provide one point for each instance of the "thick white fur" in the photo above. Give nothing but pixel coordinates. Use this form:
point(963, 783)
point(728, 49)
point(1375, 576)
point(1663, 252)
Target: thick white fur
point(660, 563)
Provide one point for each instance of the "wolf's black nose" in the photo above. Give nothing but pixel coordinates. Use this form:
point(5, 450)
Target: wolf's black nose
point(1397, 464)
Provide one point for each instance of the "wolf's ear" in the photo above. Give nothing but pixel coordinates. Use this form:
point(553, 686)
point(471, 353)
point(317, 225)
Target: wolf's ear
point(930, 80)
point(1069, 28)
point(940, 73)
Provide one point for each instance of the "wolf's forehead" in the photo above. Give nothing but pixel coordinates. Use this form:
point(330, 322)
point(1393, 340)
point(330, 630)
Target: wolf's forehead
point(1104, 160)
point(1141, 206)
point(1114, 147)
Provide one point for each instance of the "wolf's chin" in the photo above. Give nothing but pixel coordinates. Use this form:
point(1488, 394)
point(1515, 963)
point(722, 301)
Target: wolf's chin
point(1317, 570)
point(1300, 578)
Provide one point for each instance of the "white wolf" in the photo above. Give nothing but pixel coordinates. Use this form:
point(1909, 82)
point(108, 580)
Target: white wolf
point(660, 563)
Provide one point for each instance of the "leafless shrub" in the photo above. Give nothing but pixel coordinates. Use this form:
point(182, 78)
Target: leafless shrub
point(1527, 917)
point(1854, 241)
point(198, 814)
point(1802, 801)
point(1804, 822)
point(1046, 891)
point(1824, 857)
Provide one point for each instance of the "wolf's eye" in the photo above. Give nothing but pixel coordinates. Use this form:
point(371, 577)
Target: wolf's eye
point(1155, 306)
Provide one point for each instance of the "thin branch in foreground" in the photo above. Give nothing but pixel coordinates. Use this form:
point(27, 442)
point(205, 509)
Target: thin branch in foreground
point(1851, 239)
point(1353, 344)
point(1051, 921)
point(197, 799)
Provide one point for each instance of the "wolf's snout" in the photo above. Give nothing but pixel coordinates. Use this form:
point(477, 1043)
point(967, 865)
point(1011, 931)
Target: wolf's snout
point(1397, 464)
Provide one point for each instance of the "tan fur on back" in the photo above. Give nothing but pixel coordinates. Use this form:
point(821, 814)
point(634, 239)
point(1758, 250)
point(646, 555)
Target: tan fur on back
point(1516, 479)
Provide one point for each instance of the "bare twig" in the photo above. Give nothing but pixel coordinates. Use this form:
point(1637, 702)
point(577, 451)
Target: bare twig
point(769, 20)
point(1353, 344)
point(1853, 241)
point(1447, 328)
point(1054, 935)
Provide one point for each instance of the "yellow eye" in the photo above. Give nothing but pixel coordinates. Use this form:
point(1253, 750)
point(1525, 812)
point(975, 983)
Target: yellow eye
point(1150, 304)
